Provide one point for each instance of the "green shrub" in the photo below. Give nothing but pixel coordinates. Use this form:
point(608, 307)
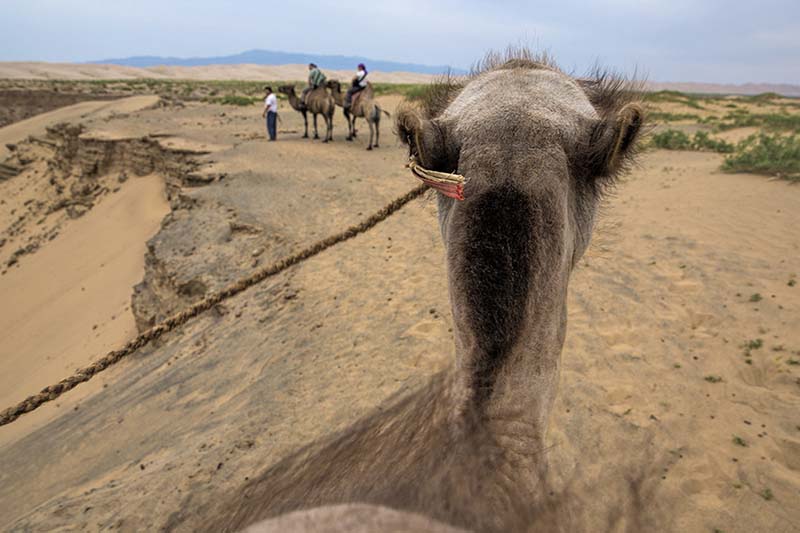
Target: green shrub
point(766, 154)
point(672, 140)
point(234, 99)
point(659, 116)
point(701, 141)
point(741, 118)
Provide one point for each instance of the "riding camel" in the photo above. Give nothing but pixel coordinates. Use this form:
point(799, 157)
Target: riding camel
point(364, 106)
point(318, 102)
point(520, 178)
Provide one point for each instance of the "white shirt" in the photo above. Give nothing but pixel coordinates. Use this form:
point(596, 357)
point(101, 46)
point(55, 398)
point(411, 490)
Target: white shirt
point(361, 75)
point(271, 103)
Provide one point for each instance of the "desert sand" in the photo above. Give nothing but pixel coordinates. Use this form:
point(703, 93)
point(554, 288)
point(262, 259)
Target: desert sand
point(655, 375)
point(22, 70)
point(71, 71)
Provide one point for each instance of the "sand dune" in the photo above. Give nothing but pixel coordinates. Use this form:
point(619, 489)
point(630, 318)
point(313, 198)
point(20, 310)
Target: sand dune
point(71, 71)
point(76, 71)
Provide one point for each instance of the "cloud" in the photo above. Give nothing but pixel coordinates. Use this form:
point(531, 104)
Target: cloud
point(681, 40)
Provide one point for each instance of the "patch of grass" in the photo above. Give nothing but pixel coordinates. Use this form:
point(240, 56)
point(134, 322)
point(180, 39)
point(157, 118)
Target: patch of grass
point(766, 154)
point(741, 118)
point(661, 116)
point(755, 297)
point(754, 344)
point(233, 99)
point(749, 346)
point(688, 100)
point(792, 282)
point(793, 362)
point(700, 141)
point(763, 98)
point(713, 379)
point(739, 441)
point(767, 494)
point(412, 91)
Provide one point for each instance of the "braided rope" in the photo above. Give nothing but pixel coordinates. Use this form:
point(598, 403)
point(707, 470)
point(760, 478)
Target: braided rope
point(85, 374)
point(435, 175)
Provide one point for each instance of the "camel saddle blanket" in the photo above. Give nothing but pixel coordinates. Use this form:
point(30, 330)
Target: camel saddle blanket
point(357, 98)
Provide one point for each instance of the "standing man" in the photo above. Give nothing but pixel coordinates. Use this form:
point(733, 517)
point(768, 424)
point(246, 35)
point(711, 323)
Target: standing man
point(271, 113)
point(315, 79)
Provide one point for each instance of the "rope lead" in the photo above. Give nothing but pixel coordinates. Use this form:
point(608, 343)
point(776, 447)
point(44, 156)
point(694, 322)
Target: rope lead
point(85, 374)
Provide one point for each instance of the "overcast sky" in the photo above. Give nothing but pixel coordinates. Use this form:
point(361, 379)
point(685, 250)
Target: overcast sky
point(731, 41)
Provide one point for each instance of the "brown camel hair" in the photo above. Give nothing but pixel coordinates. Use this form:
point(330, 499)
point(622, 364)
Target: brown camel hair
point(365, 107)
point(318, 102)
point(538, 149)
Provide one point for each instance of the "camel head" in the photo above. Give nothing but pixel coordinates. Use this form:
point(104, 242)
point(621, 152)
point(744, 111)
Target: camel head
point(286, 89)
point(537, 149)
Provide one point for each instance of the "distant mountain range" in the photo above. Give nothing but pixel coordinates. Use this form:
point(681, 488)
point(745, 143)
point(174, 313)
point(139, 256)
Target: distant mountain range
point(269, 57)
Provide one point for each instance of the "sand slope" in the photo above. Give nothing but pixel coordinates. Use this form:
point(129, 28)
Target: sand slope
point(71, 301)
point(74, 113)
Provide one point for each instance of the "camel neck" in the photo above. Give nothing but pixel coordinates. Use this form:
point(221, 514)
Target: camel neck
point(508, 291)
point(294, 101)
point(517, 401)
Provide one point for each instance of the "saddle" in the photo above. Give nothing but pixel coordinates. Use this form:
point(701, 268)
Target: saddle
point(360, 95)
point(357, 98)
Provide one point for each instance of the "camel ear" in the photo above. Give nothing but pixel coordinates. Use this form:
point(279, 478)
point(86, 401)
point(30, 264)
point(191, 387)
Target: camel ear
point(613, 139)
point(425, 140)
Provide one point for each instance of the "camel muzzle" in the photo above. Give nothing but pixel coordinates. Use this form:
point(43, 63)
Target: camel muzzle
point(451, 184)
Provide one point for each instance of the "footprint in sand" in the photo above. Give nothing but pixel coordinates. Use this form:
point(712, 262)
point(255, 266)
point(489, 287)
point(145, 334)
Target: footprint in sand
point(425, 329)
point(790, 453)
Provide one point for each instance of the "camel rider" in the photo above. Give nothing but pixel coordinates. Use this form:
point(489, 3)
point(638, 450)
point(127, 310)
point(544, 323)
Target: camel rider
point(315, 79)
point(359, 84)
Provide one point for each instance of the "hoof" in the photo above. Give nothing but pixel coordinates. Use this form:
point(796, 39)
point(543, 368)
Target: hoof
point(326, 140)
point(305, 136)
point(316, 137)
point(369, 147)
point(349, 139)
point(375, 146)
